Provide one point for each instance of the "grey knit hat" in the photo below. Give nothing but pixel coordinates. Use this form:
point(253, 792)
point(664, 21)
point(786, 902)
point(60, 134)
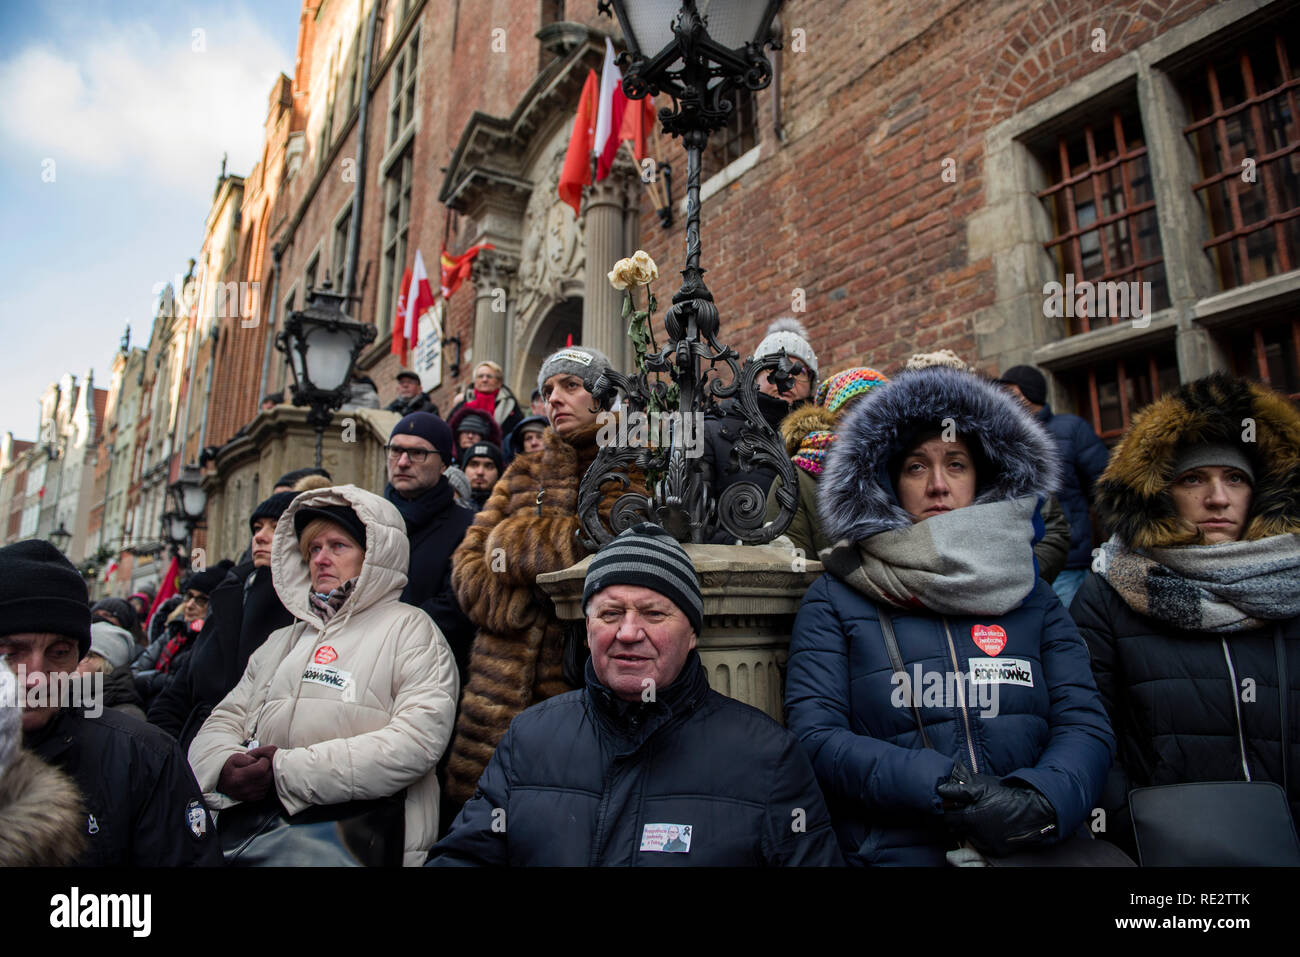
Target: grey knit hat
point(1207, 453)
point(111, 643)
point(646, 555)
point(583, 361)
point(790, 335)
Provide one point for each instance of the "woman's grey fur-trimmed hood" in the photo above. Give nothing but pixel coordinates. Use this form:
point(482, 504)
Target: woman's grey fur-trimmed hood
point(855, 496)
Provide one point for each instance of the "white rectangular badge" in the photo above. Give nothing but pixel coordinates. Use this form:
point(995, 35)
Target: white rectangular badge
point(328, 675)
point(673, 838)
point(1001, 671)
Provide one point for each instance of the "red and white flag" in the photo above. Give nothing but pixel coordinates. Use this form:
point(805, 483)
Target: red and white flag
point(609, 118)
point(419, 300)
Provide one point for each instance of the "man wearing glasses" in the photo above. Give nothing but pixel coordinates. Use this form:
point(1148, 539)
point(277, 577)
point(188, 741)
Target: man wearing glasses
point(419, 451)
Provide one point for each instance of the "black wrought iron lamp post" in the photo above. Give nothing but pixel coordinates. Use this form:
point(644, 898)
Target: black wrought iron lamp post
point(698, 53)
point(189, 502)
point(322, 344)
point(60, 537)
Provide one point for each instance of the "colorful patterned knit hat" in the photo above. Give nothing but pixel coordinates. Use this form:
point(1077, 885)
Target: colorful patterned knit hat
point(833, 395)
point(836, 391)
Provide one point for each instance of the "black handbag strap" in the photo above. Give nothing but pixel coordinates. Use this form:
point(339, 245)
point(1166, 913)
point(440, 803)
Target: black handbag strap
point(896, 662)
point(1283, 689)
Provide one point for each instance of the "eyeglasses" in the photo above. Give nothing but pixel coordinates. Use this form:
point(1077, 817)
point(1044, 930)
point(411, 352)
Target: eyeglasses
point(417, 456)
point(200, 600)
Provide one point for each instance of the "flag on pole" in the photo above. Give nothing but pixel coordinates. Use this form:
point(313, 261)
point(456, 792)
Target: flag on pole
point(455, 269)
point(638, 121)
point(419, 299)
point(167, 588)
point(609, 121)
point(399, 319)
point(577, 161)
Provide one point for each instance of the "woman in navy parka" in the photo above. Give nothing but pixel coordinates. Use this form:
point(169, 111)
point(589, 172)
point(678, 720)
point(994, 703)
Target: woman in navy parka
point(931, 496)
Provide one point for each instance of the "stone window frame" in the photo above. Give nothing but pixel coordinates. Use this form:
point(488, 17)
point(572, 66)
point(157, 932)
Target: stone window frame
point(395, 246)
point(1013, 224)
point(404, 90)
point(287, 305)
point(311, 276)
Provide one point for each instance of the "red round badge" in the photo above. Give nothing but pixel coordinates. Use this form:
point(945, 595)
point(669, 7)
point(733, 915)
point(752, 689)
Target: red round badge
point(990, 639)
point(324, 655)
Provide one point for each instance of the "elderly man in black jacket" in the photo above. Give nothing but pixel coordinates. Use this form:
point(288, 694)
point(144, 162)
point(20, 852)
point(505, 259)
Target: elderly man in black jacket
point(419, 449)
point(143, 807)
point(646, 765)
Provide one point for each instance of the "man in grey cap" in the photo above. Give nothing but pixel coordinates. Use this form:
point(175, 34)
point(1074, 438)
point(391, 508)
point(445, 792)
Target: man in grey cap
point(645, 765)
point(411, 396)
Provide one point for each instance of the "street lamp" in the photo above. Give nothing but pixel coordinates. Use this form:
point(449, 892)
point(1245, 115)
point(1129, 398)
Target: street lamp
point(698, 57)
point(60, 537)
point(175, 528)
point(188, 493)
point(322, 343)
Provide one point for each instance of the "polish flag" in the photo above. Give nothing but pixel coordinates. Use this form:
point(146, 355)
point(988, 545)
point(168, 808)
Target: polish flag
point(609, 120)
point(638, 120)
point(419, 300)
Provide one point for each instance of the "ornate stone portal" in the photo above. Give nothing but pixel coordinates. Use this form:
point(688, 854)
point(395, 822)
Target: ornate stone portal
point(751, 595)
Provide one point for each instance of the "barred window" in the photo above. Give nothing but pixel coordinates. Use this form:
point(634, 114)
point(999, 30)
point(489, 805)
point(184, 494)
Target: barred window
point(1269, 353)
point(1246, 136)
point(1108, 393)
point(1103, 210)
point(734, 140)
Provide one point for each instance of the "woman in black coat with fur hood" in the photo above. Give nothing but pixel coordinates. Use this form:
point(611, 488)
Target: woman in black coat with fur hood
point(1193, 606)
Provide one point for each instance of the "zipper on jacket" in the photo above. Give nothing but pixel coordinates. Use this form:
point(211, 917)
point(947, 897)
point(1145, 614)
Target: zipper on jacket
point(1236, 707)
point(961, 697)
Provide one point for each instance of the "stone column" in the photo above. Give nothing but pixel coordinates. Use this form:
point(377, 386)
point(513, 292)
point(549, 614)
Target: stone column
point(494, 273)
point(602, 305)
point(751, 595)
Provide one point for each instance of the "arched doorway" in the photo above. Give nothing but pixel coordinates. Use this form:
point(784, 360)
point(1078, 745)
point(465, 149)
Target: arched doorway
point(562, 320)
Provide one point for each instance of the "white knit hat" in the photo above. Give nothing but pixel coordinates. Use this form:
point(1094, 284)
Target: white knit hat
point(11, 718)
point(788, 334)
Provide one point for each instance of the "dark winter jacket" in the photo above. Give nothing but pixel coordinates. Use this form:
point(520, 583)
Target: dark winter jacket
point(149, 678)
point(120, 692)
point(722, 432)
point(420, 402)
point(1083, 456)
point(243, 610)
point(1178, 698)
point(435, 525)
point(144, 808)
point(579, 778)
point(1045, 727)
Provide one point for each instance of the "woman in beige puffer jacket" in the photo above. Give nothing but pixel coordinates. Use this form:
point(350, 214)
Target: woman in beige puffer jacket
point(359, 706)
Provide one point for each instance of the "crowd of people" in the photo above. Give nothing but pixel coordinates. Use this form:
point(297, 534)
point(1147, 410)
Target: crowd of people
point(1019, 635)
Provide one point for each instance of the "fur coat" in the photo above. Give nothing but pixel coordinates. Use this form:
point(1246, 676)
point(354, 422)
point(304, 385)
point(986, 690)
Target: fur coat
point(41, 816)
point(528, 527)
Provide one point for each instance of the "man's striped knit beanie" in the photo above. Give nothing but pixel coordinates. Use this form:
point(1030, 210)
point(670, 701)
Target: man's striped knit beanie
point(646, 555)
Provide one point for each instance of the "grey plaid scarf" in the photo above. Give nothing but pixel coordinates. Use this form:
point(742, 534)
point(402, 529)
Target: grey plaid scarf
point(1232, 586)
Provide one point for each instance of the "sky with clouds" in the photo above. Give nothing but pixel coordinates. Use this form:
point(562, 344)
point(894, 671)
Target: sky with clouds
point(114, 116)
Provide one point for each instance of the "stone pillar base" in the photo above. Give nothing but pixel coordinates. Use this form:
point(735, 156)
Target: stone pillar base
point(751, 595)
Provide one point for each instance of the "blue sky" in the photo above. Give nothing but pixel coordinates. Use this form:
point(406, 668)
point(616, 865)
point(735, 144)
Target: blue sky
point(113, 120)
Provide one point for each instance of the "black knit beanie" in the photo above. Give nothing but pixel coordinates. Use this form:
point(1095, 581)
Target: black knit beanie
point(646, 555)
point(41, 592)
point(341, 515)
point(207, 580)
point(272, 507)
point(119, 608)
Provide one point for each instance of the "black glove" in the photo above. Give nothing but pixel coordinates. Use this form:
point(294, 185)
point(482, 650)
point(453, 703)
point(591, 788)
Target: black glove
point(997, 818)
